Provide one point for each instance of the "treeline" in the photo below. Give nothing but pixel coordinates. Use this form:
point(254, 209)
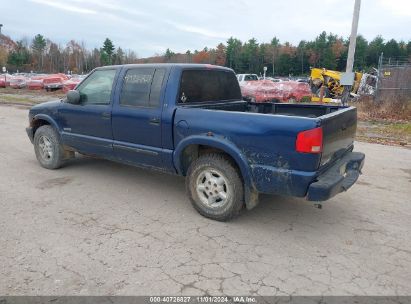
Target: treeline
point(44, 55)
point(326, 50)
point(283, 59)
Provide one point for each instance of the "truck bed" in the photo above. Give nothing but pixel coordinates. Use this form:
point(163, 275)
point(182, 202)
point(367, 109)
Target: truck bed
point(339, 124)
point(302, 110)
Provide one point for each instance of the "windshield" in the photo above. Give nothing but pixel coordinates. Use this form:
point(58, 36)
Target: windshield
point(250, 77)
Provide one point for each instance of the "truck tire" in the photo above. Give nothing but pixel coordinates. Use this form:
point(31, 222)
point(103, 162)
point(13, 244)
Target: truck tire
point(214, 187)
point(48, 148)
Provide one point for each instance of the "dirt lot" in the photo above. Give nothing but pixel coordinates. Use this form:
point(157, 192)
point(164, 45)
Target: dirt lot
point(96, 227)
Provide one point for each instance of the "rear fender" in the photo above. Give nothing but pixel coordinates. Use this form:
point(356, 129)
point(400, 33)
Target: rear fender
point(221, 143)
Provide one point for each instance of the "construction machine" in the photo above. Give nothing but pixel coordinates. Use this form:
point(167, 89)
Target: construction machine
point(364, 84)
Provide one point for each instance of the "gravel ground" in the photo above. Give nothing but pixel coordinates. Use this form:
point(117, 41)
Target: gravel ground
point(101, 228)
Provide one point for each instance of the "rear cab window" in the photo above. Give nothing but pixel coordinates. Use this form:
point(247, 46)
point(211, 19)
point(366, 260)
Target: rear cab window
point(207, 85)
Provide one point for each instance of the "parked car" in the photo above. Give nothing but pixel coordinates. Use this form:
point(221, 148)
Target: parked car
point(54, 82)
point(70, 84)
point(36, 82)
point(247, 77)
point(18, 82)
point(190, 120)
point(4, 80)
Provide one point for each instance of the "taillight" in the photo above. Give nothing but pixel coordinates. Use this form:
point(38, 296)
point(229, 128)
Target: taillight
point(310, 141)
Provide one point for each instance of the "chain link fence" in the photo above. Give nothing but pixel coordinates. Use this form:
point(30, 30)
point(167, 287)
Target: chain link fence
point(394, 79)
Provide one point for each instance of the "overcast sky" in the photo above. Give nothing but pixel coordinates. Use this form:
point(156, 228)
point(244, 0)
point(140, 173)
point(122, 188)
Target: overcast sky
point(151, 26)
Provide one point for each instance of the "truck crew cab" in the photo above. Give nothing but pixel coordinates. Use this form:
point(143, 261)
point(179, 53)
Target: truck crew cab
point(190, 120)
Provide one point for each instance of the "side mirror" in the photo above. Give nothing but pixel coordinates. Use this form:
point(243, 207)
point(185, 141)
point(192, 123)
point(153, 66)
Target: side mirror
point(73, 97)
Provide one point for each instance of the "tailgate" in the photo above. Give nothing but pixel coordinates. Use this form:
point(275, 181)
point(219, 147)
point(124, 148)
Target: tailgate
point(339, 129)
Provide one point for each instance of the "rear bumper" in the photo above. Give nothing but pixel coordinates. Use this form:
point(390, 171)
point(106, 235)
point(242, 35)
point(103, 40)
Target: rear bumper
point(338, 178)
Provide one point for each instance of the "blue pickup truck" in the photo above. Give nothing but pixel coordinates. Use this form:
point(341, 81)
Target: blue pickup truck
point(190, 120)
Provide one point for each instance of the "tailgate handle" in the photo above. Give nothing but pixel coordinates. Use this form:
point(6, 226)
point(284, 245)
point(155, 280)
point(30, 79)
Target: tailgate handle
point(344, 127)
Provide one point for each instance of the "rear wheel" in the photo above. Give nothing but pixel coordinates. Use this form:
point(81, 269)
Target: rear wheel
point(47, 147)
point(214, 187)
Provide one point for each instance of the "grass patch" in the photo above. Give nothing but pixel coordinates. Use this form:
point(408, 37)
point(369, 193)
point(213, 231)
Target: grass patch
point(404, 128)
point(384, 122)
point(398, 109)
point(385, 132)
point(15, 99)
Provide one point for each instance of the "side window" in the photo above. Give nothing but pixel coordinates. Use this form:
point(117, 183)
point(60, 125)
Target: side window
point(142, 87)
point(96, 89)
point(156, 86)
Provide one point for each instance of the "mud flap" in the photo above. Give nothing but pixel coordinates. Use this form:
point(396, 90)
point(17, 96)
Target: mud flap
point(251, 198)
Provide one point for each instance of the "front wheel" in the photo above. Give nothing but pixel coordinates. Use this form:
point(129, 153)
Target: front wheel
point(47, 147)
point(214, 187)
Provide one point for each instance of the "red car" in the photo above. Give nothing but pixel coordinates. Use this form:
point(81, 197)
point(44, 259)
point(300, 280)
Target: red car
point(70, 84)
point(4, 80)
point(36, 82)
point(18, 82)
point(54, 82)
point(267, 90)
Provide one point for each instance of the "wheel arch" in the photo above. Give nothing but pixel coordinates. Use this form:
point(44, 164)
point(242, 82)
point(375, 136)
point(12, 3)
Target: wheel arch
point(192, 147)
point(41, 120)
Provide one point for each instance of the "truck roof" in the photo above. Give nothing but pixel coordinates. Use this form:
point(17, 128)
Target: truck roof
point(169, 65)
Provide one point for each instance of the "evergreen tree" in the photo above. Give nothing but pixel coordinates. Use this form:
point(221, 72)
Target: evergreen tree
point(391, 49)
point(360, 58)
point(106, 52)
point(374, 50)
point(19, 56)
point(38, 45)
point(108, 47)
point(233, 52)
point(168, 55)
point(275, 43)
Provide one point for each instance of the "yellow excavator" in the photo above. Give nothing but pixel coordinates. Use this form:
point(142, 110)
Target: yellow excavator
point(327, 83)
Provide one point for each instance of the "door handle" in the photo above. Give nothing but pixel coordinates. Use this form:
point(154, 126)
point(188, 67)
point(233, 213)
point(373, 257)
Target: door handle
point(106, 115)
point(155, 121)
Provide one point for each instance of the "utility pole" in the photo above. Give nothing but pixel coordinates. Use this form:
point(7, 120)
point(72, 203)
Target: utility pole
point(348, 82)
